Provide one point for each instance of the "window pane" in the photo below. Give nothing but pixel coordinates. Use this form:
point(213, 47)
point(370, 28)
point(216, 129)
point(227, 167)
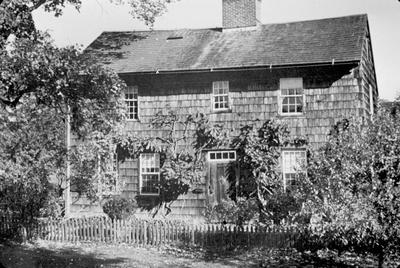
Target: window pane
point(299, 108)
point(285, 101)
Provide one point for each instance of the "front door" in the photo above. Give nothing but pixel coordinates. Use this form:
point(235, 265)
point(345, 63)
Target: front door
point(219, 185)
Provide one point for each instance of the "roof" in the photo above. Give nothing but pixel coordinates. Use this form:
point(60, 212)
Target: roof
point(295, 43)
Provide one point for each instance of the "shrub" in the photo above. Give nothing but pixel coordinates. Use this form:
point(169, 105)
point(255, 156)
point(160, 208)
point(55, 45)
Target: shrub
point(228, 211)
point(283, 207)
point(119, 208)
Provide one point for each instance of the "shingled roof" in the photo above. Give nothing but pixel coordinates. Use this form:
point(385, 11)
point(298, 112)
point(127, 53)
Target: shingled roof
point(305, 42)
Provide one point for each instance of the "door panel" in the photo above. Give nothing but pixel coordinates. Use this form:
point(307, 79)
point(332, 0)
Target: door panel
point(218, 185)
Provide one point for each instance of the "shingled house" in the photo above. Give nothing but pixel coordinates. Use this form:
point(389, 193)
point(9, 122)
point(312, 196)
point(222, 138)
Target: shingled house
point(309, 74)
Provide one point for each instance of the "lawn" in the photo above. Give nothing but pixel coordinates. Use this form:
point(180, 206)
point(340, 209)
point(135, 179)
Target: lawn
point(43, 254)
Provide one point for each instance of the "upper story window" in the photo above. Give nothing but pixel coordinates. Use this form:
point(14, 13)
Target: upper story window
point(293, 162)
point(220, 95)
point(221, 156)
point(131, 100)
point(292, 96)
point(149, 173)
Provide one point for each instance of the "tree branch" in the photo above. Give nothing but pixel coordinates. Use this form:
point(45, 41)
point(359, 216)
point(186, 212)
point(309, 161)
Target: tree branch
point(36, 5)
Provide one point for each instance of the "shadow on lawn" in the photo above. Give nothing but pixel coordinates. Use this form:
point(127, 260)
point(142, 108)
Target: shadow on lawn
point(14, 255)
point(261, 257)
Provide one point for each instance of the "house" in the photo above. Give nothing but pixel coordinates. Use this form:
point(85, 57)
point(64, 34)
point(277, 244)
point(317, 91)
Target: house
point(309, 74)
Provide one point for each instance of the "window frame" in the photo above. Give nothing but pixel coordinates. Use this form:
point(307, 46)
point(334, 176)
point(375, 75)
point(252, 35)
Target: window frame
point(222, 159)
point(217, 86)
point(284, 168)
point(141, 173)
point(294, 96)
point(135, 90)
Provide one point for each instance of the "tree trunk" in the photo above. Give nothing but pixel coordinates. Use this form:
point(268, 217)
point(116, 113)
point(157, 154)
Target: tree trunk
point(381, 259)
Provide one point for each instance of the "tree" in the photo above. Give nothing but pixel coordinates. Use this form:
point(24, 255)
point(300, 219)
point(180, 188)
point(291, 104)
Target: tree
point(353, 187)
point(40, 85)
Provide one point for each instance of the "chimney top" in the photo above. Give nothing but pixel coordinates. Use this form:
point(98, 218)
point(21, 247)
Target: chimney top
point(240, 13)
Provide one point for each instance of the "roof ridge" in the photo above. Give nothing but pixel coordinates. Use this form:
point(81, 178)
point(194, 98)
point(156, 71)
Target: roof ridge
point(322, 19)
point(220, 28)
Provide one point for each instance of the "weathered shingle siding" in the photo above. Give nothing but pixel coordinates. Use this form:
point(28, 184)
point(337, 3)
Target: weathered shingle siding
point(332, 93)
point(367, 73)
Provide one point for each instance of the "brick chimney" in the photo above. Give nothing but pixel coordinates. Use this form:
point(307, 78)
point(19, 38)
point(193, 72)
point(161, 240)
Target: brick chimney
point(240, 13)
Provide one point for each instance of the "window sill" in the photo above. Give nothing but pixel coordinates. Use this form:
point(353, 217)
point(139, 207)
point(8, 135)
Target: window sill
point(291, 116)
point(221, 111)
point(149, 195)
point(132, 120)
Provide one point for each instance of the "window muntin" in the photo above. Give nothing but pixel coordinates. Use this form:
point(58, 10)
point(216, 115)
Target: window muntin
point(292, 96)
point(149, 173)
point(220, 95)
point(293, 163)
point(221, 156)
point(131, 100)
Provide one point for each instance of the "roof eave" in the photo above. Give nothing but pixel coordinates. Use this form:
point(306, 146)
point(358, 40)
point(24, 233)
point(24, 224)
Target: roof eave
point(245, 68)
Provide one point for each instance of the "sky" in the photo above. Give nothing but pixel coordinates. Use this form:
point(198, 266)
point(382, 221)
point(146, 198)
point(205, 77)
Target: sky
point(96, 16)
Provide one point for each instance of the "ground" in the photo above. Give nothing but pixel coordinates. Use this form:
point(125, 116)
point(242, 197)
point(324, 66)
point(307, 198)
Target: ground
point(44, 254)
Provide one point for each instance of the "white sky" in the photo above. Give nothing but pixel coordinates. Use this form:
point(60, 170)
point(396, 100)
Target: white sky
point(96, 16)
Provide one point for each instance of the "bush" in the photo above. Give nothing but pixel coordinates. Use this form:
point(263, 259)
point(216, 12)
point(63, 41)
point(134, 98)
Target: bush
point(119, 208)
point(283, 207)
point(228, 211)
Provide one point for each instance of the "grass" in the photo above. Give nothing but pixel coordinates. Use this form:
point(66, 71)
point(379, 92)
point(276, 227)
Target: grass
point(44, 254)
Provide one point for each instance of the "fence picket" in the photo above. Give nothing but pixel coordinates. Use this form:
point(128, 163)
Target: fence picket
point(156, 233)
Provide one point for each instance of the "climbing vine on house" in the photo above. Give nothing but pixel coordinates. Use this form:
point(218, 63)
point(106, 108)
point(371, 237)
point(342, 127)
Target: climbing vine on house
point(258, 152)
point(180, 147)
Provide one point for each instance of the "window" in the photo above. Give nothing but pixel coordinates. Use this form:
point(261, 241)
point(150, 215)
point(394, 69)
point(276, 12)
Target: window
point(149, 173)
point(131, 100)
point(292, 96)
point(292, 163)
point(220, 95)
point(222, 156)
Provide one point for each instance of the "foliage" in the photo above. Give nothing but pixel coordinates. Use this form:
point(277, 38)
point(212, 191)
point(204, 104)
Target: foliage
point(180, 147)
point(353, 186)
point(258, 151)
point(284, 208)
point(119, 208)
point(240, 212)
point(40, 86)
point(16, 15)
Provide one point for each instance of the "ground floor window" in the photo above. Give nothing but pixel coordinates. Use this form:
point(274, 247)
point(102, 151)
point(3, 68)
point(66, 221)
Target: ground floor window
point(293, 163)
point(149, 173)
